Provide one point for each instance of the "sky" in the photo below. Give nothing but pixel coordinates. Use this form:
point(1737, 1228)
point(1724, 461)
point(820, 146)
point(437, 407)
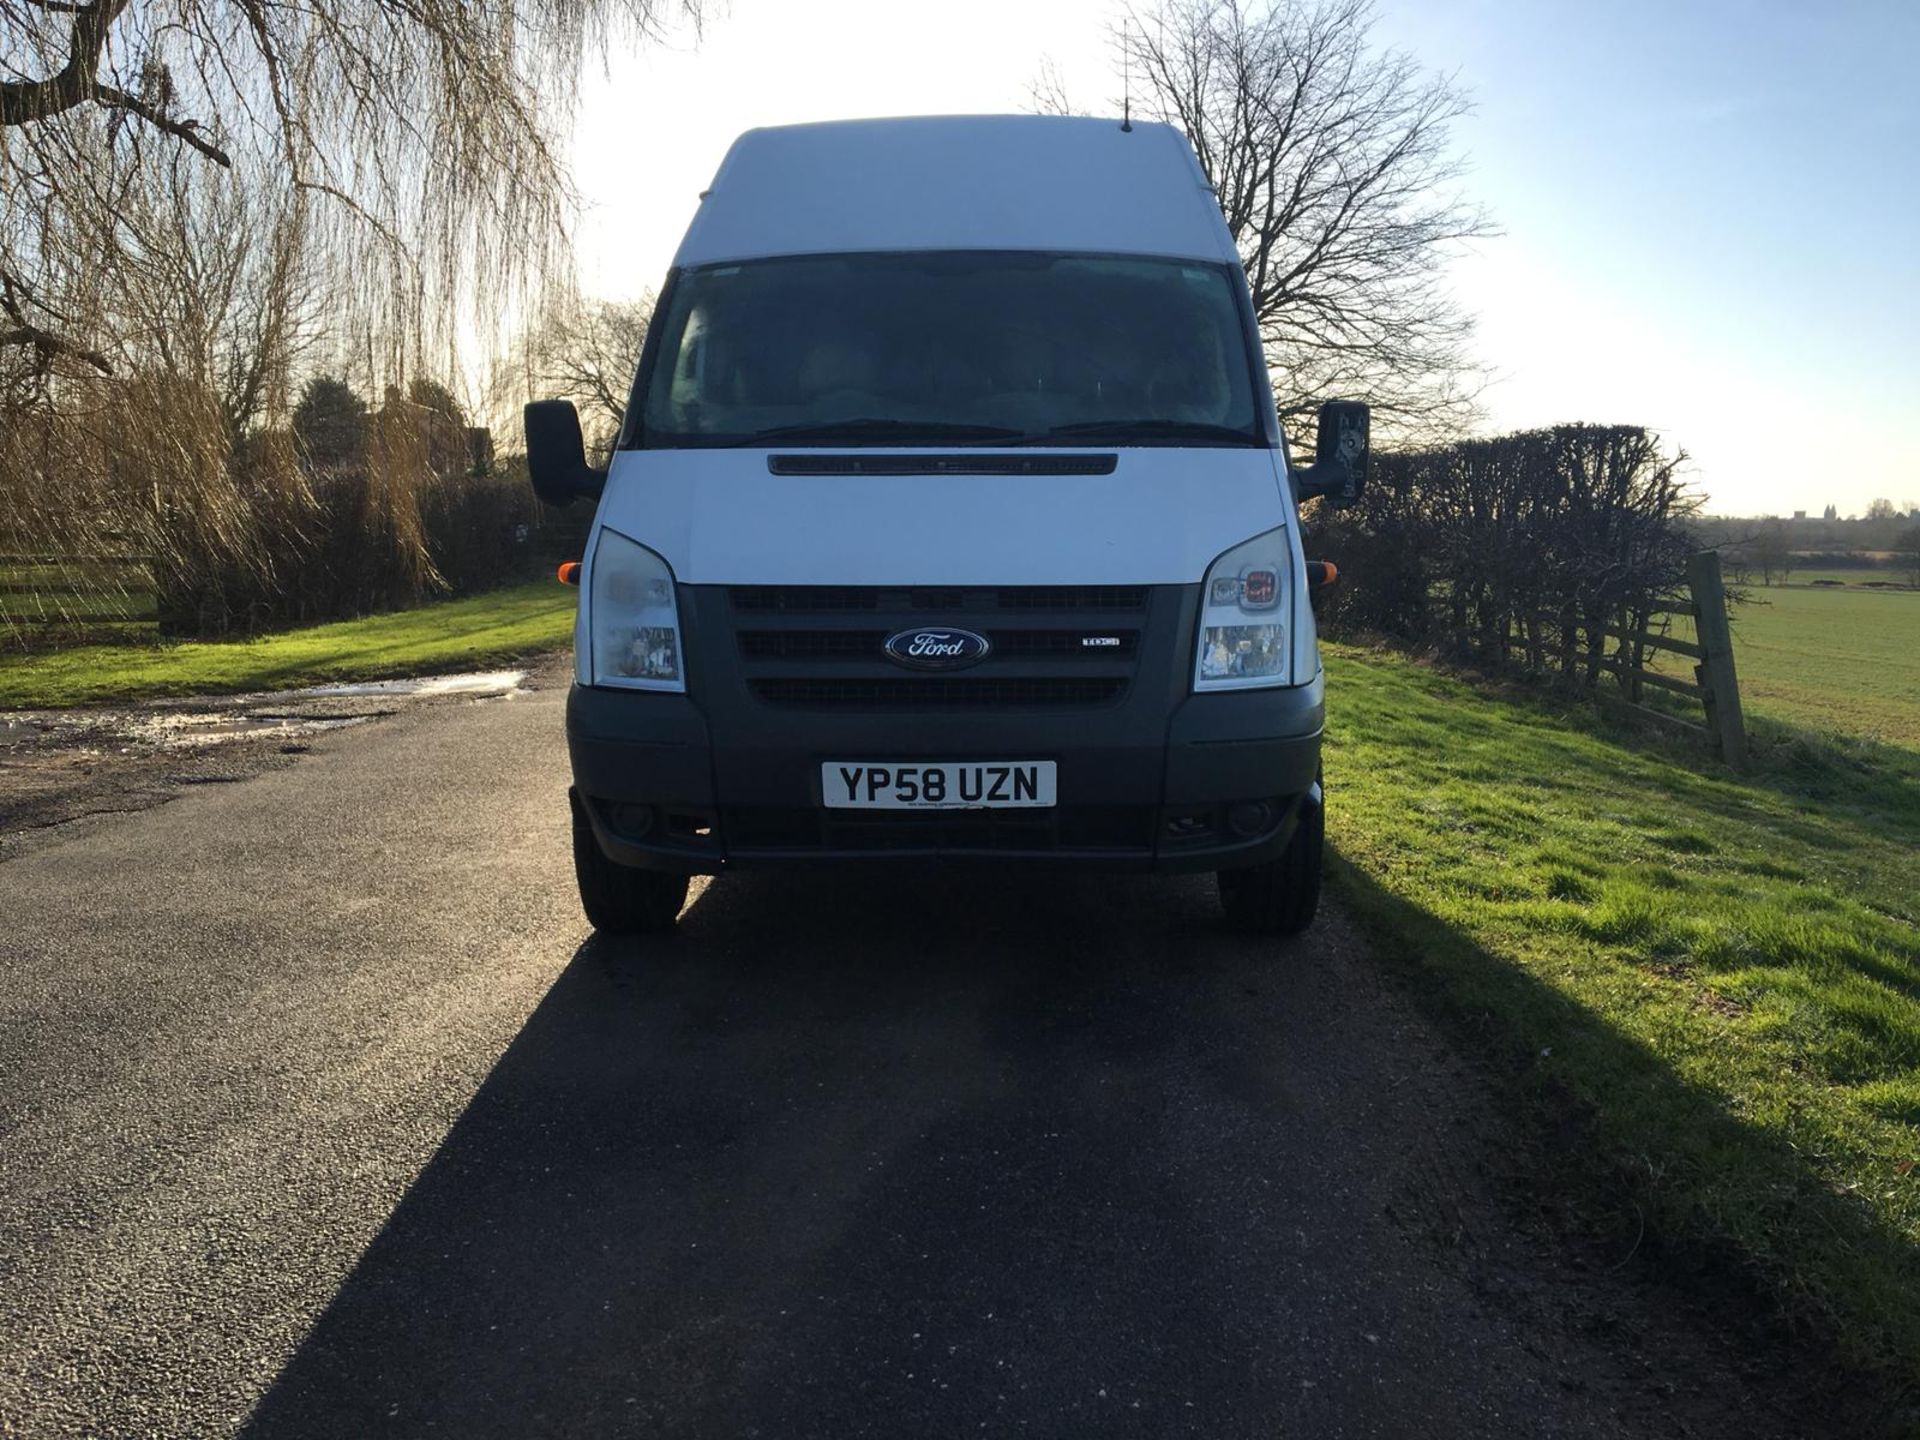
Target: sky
point(1709, 209)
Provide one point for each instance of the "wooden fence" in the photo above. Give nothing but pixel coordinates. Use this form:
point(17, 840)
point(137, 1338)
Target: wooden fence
point(1550, 644)
point(62, 599)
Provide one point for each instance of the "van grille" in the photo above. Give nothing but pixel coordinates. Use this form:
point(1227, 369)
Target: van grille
point(823, 647)
point(867, 644)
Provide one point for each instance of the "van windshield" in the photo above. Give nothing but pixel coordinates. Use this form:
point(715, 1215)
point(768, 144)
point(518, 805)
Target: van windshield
point(950, 347)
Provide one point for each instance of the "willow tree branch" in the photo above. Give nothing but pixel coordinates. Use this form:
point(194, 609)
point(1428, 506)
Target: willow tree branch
point(187, 130)
point(13, 294)
point(76, 83)
point(50, 345)
point(24, 101)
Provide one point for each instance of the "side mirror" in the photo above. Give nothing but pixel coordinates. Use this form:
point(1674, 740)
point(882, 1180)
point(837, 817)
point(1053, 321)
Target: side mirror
point(557, 455)
point(1339, 469)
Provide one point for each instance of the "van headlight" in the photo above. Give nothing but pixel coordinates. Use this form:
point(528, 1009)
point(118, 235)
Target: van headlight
point(1243, 643)
point(633, 618)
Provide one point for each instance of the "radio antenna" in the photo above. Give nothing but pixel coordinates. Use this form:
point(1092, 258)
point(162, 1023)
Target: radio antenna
point(1126, 74)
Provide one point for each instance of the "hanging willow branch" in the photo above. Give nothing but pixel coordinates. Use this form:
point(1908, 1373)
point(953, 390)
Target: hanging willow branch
point(203, 201)
point(431, 126)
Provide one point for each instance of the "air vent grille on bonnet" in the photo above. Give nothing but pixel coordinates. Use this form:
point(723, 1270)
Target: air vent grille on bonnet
point(963, 463)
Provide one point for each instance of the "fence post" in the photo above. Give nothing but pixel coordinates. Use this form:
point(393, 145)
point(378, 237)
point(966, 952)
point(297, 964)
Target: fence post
point(1715, 672)
point(1632, 654)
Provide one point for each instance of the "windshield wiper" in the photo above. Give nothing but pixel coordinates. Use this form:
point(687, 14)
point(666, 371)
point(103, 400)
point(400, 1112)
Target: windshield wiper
point(867, 427)
point(1118, 432)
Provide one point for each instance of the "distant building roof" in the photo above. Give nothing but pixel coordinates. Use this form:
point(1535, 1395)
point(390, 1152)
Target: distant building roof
point(976, 182)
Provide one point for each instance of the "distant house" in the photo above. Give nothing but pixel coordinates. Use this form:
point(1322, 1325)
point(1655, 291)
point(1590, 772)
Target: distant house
point(1799, 514)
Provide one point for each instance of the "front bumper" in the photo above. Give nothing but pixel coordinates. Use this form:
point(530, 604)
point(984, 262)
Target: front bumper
point(663, 793)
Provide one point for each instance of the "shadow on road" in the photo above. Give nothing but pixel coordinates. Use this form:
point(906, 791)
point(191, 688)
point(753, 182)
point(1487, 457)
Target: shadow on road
point(846, 1141)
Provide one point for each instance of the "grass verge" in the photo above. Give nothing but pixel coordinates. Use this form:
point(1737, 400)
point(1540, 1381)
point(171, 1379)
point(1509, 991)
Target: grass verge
point(1724, 973)
point(479, 630)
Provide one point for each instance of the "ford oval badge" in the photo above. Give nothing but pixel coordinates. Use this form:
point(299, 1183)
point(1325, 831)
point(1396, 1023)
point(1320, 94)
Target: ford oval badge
point(936, 648)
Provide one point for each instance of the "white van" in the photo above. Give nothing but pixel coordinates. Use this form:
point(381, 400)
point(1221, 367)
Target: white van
point(950, 518)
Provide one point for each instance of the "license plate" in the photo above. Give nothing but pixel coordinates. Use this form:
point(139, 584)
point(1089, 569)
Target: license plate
point(945, 785)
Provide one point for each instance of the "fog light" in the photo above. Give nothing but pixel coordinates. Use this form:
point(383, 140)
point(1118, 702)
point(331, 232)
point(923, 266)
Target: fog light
point(632, 821)
point(1250, 818)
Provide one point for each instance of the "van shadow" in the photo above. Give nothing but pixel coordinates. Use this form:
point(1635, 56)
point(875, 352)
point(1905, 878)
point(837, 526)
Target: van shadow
point(725, 1177)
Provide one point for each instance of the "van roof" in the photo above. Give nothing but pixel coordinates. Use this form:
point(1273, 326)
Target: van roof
point(960, 182)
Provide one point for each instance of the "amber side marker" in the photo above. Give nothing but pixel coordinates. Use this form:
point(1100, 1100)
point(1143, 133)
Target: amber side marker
point(570, 573)
point(1321, 573)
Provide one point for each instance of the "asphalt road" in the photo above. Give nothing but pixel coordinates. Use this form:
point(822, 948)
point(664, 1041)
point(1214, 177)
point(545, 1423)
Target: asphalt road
point(321, 1114)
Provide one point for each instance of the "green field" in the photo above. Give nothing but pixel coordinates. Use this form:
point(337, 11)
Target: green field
point(1835, 662)
point(1722, 975)
point(480, 630)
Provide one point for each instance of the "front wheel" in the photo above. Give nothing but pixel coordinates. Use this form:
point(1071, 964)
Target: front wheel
point(621, 899)
point(1281, 896)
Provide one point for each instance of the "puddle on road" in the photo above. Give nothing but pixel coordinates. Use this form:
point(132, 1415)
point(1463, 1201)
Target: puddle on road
point(483, 683)
point(58, 766)
point(218, 726)
point(279, 714)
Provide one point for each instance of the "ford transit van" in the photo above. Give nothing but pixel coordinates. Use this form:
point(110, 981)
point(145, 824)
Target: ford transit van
point(951, 519)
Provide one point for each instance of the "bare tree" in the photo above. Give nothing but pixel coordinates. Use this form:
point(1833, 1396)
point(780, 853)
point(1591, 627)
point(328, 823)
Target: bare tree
point(217, 283)
point(1334, 167)
point(1772, 551)
point(583, 350)
point(1906, 548)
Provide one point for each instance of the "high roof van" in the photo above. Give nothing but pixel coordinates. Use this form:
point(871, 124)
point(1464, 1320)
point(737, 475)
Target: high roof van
point(950, 519)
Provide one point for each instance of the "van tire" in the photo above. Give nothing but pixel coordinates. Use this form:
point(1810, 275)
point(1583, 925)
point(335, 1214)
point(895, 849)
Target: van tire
point(1281, 896)
point(622, 899)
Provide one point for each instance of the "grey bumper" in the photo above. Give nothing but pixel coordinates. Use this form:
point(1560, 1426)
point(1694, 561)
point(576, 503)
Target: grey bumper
point(664, 793)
